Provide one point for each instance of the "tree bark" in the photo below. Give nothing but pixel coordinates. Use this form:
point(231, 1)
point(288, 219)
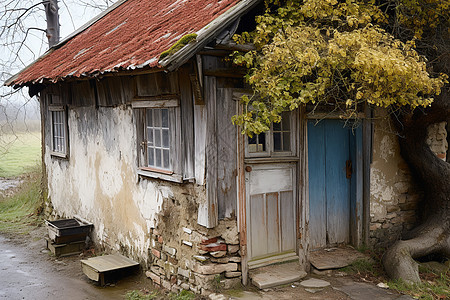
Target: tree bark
point(433, 235)
point(51, 12)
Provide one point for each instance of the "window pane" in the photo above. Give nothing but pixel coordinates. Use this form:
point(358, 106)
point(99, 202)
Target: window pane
point(158, 158)
point(165, 118)
point(257, 143)
point(149, 137)
point(286, 141)
point(262, 142)
point(151, 156)
point(157, 137)
point(166, 159)
point(286, 121)
point(156, 117)
point(277, 141)
point(149, 117)
point(165, 138)
point(276, 126)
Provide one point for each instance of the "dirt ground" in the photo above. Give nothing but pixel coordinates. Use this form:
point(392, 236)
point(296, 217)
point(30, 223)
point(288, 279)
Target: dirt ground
point(28, 271)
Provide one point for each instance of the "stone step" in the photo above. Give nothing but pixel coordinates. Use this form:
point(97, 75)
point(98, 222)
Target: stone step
point(283, 258)
point(275, 275)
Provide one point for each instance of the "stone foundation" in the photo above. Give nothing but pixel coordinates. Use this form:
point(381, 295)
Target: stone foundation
point(201, 260)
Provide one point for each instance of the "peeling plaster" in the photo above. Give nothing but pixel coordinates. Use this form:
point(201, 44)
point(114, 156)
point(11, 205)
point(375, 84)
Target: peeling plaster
point(99, 181)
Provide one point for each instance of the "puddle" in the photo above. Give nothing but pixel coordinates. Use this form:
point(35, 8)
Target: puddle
point(6, 184)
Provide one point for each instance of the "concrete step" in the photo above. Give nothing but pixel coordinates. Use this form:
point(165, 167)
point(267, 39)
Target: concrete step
point(276, 275)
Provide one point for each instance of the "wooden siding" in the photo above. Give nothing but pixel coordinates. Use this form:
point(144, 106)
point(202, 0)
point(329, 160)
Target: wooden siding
point(187, 123)
point(226, 151)
point(113, 91)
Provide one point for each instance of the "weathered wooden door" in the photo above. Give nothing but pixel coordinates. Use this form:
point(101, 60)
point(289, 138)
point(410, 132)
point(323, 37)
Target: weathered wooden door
point(331, 161)
point(271, 209)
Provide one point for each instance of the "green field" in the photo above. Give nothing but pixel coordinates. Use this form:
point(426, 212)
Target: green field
point(19, 153)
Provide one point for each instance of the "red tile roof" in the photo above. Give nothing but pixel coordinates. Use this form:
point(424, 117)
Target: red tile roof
point(132, 35)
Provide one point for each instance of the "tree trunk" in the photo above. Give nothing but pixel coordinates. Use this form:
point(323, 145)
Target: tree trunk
point(51, 12)
point(433, 235)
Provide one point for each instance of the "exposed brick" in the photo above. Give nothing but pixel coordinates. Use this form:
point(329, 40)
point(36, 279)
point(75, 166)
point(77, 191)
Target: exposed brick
point(209, 241)
point(155, 278)
point(156, 253)
point(172, 260)
point(214, 247)
point(173, 279)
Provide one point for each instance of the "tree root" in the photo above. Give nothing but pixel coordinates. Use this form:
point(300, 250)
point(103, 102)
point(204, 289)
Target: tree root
point(399, 261)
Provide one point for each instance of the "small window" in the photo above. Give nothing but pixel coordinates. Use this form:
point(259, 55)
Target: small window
point(278, 141)
point(59, 131)
point(159, 140)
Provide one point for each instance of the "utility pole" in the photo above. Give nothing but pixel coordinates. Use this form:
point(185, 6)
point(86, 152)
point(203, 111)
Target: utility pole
point(51, 12)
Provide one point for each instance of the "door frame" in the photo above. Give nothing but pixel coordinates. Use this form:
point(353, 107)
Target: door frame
point(359, 214)
point(300, 196)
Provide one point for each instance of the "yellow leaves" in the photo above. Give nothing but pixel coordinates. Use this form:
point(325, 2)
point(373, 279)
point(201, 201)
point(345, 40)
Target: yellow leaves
point(314, 51)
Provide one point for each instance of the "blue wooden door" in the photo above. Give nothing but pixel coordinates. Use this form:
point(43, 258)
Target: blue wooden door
point(330, 155)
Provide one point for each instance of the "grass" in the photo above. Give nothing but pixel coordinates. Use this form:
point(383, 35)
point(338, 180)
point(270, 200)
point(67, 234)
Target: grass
point(138, 295)
point(20, 212)
point(429, 289)
point(19, 153)
point(362, 267)
point(146, 295)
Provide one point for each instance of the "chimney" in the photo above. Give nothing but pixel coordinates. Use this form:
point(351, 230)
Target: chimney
point(51, 12)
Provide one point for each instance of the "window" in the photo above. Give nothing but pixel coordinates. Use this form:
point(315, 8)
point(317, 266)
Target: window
point(278, 141)
point(58, 121)
point(159, 138)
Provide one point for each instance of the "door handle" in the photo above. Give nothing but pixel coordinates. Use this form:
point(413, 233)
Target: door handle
point(248, 169)
point(348, 169)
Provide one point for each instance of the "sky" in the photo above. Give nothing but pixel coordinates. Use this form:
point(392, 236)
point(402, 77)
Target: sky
point(14, 55)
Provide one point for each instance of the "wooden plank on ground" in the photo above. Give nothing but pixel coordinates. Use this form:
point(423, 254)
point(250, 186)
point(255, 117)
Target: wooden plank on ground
point(107, 263)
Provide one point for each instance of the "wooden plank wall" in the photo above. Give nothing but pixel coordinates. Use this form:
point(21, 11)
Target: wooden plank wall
point(187, 122)
point(226, 150)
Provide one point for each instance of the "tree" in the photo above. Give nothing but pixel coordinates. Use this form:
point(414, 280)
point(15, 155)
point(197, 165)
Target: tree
point(23, 34)
point(390, 53)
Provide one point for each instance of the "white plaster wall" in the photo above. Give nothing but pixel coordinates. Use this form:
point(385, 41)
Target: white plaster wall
point(393, 193)
point(99, 181)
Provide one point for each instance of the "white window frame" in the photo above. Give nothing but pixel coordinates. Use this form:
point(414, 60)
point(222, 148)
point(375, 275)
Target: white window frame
point(64, 151)
point(173, 173)
point(270, 151)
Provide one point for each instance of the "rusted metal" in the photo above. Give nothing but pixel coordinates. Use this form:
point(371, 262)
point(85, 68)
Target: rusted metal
point(130, 36)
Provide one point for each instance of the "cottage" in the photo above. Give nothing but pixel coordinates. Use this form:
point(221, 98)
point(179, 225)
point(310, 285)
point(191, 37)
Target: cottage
point(138, 140)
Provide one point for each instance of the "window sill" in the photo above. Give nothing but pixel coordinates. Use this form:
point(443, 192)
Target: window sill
point(154, 174)
point(59, 155)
